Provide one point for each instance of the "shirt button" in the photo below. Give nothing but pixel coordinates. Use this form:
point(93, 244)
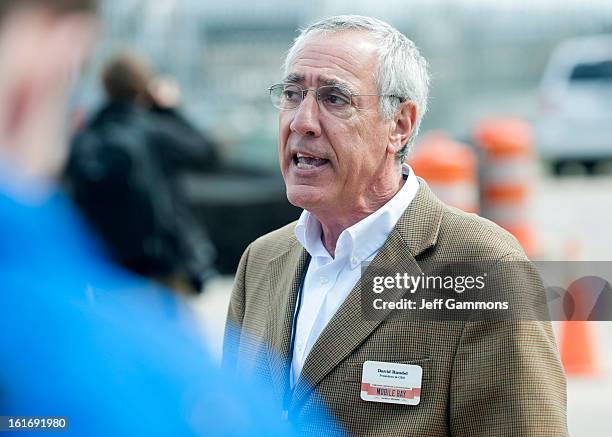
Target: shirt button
point(300, 346)
point(324, 279)
point(354, 261)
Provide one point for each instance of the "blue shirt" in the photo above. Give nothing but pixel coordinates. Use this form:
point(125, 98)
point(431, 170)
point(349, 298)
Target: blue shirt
point(82, 339)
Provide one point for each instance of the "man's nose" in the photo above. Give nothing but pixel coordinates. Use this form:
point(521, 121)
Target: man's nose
point(306, 119)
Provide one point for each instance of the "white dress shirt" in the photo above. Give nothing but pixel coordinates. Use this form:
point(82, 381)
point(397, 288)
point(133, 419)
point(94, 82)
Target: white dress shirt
point(329, 280)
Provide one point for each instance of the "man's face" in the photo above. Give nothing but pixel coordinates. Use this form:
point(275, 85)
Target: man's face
point(332, 164)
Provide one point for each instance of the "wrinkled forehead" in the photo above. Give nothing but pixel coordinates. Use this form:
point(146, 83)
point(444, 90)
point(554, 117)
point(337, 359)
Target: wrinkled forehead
point(333, 58)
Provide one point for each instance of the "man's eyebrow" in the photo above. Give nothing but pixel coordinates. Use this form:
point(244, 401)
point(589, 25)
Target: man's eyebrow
point(335, 82)
point(294, 78)
point(323, 81)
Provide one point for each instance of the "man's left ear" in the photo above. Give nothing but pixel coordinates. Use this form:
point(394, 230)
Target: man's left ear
point(402, 127)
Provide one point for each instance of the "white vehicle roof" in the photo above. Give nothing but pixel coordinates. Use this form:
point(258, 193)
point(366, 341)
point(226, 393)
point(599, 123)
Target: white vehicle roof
point(575, 51)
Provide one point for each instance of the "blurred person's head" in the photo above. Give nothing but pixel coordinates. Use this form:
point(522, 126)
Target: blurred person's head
point(341, 148)
point(127, 77)
point(43, 45)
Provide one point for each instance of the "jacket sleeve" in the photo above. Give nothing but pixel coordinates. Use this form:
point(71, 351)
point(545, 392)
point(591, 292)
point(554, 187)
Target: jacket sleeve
point(507, 377)
point(235, 314)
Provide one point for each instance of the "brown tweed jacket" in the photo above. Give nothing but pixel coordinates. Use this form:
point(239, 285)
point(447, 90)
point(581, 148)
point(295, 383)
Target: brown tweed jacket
point(499, 378)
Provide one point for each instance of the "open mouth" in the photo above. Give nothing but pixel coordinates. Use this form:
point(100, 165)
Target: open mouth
point(308, 162)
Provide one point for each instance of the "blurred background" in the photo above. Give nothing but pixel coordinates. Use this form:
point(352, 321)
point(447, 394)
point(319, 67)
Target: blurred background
point(521, 107)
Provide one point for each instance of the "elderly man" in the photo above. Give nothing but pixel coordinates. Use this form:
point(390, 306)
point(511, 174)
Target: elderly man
point(353, 96)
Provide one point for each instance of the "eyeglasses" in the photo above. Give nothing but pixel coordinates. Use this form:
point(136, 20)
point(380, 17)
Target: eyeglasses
point(335, 99)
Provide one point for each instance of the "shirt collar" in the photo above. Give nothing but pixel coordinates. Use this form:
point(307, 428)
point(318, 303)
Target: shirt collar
point(360, 241)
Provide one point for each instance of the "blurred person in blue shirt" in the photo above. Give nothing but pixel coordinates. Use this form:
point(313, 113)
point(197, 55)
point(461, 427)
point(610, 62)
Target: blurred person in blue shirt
point(78, 337)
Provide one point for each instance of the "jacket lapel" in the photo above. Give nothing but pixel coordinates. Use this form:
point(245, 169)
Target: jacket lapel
point(286, 272)
point(416, 231)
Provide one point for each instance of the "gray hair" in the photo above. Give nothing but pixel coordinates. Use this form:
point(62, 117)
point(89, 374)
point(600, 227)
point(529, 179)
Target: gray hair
point(402, 71)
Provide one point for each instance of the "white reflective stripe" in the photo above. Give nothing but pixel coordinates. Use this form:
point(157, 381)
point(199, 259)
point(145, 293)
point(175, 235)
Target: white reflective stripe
point(458, 194)
point(518, 170)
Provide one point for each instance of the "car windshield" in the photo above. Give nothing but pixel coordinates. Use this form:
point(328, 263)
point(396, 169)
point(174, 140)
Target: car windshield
point(592, 72)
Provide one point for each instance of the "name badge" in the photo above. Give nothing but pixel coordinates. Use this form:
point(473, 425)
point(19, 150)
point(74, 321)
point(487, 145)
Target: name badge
point(392, 383)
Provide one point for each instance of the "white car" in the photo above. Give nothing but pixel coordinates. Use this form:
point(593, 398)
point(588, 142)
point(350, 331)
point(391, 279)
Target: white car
point(575, 123)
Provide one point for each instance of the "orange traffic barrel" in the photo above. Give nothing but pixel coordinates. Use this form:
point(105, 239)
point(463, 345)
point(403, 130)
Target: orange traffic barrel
point(577, 343)
point(507, 176)
point(577, 348)
point(450, 169)
point(577, 340)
